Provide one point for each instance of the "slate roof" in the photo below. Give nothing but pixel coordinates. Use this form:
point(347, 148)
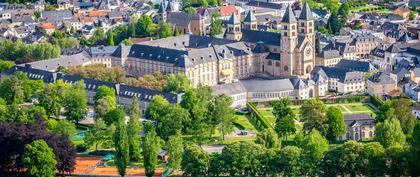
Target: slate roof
point(328, 54)
point(233, 20)
point(273, 56)
point(364, 119)
point(298, 83)
point(269, 38)
point(250, 17)
point(91, 84)
point(355, 65)
point(381, 78)
point(229, 89)
point(306, 13)
point(63, 60)
point(289, 16)
point(343, 75)
point(260, 48)
point(256, 85)
point(57, 16)
point(181, 18)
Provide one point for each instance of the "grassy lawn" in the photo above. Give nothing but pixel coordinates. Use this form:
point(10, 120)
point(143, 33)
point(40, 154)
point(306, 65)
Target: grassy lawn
point(357, 108)
point(243, 120)
point(230, 140)
point(352, 107)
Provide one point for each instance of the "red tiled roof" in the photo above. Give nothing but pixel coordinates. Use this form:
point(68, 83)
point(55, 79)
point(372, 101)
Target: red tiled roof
point(228, 10)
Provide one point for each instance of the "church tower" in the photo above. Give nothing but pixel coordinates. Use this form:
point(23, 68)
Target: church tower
point(288, 42)
point(306, 23)
point(233, 31)
point(162, 14)
point(250, 22)
point(306, 60)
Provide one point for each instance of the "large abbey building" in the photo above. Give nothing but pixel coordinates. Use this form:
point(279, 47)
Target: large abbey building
point(285, 54)
point(243, 52)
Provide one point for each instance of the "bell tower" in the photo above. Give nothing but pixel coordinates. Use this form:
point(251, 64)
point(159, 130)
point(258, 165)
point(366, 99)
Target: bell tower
point(288, 42)
point(250, 22)
point(233, 31)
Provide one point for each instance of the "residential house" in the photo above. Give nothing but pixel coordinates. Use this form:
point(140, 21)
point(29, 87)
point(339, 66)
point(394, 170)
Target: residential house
point(328, 58)
point(412, 90)
point(380, 84)
point(339, 79)
point(402, 11)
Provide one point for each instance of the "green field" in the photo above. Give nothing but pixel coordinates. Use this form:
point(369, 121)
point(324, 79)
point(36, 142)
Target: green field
point(346, 108)
point(244, 122)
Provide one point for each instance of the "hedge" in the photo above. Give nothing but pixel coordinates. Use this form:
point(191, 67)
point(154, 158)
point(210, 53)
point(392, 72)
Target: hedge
point(376, 101)
point(263, 121)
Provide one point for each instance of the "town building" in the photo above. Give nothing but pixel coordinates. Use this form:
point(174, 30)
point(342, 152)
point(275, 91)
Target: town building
point(358, 127)
point(380, 84)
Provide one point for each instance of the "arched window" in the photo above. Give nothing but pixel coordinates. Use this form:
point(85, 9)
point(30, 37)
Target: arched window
point(270, 62)
point(308, 69)
point(277, 64)
point(286, 68)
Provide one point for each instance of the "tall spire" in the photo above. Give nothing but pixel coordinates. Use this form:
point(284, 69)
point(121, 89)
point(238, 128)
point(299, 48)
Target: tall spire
point(306, 13)
point(289, 16)
point(250, 17)
point(162, 7)
point(233, 19)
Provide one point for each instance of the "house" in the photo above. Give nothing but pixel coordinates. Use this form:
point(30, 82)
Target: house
point(415, 75)
point(402, 11)
point(339, 79)
point(355, 65)
point(414, 3)
point(358, 127)
point(380, 84)
point(123, 92)
point(328, 58)
point(48, 27)
point(227, 11)
point(412, 90)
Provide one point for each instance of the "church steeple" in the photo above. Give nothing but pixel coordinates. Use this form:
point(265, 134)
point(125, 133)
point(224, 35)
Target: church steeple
point(289, 16)
point(306, 13)
point(233, 31)
point(250, 21)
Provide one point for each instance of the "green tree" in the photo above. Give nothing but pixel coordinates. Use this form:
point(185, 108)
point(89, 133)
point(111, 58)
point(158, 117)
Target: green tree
point(4, 65)
point(373, 159)
point(350, 158)
point(100, 134)
point(114, 116)
point(51, 98)
point(285, 118)
point(127, 42)
point(397, 161)
point(334, 23)
point(62, 126)
point(415, 151)
point(313, 116)
point(39, 159)
point(336, 125)
point(222, 113)
point(268, 138)
point(105, 100)
point(172, 119)
point(216, 24)
point(195, 161)
point(242, 158)
point(111, 38)
point(151, 147)
point(37, 15)
point(73, 30)
point(133, 130)
point(155, 108)
point(75, 102)
point(314, 147)
point(121, 145)
point(331, 5)
point(175, 149)
point(190, 10)
point(288, 161)
point(145, 26)
point(177, 83)
point(402, 111)
point(411, 15)
point(165, 30)
point(11, 90)
point(389, 133)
